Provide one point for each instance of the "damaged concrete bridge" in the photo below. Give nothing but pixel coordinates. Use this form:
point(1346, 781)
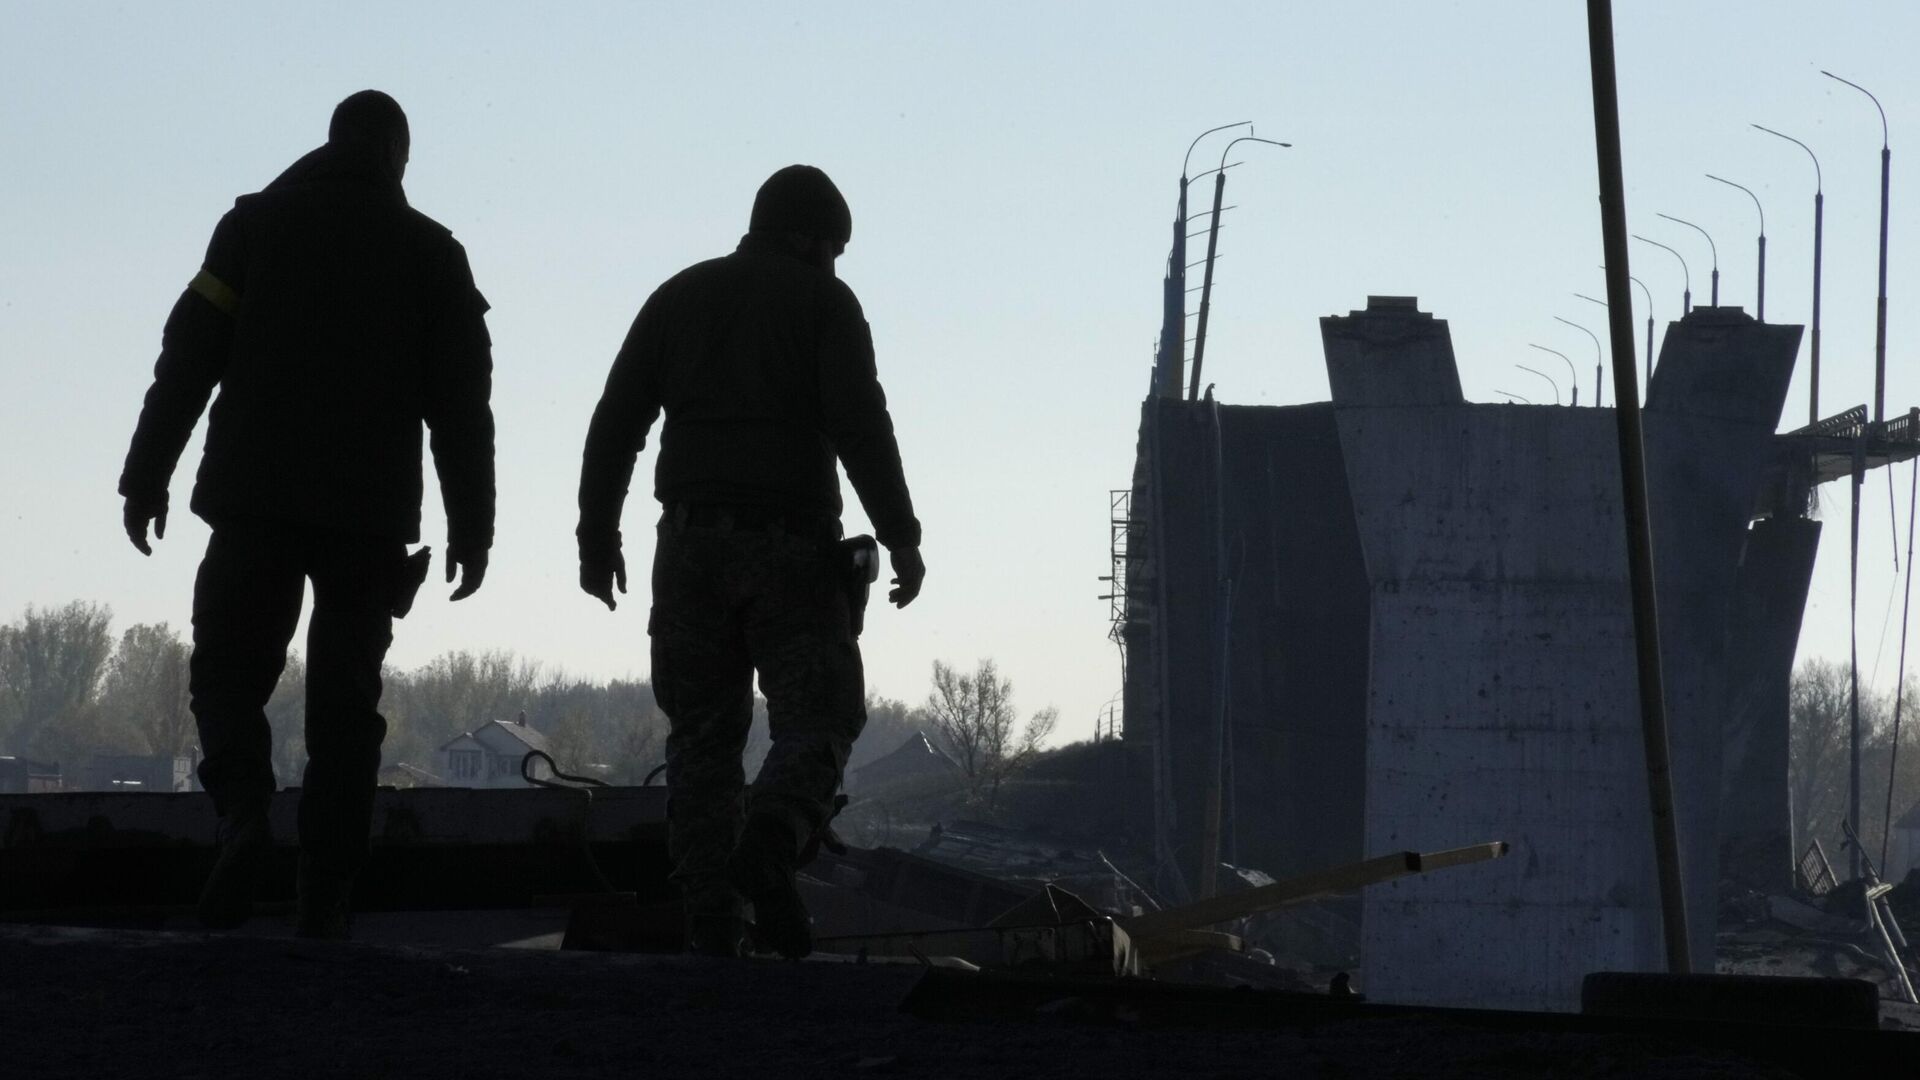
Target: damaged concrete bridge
point(1401, 620)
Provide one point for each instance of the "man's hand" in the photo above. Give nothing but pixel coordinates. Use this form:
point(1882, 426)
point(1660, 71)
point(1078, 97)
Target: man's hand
point(135, 516)
point(908, 573)
point(473, 570)
point(600, 573)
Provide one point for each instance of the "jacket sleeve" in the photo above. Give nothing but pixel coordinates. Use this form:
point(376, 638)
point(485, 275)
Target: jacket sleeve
point(459, 387)
point(854, 415)
point(628, 407)
point(193, 356)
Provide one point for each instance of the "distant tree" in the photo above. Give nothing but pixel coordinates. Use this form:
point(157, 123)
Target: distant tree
point(145, 688)
point(1819, 757)
point(973, 715)
point(51, 662)
point(287, 717)
point(572, 741)
point(641, 744)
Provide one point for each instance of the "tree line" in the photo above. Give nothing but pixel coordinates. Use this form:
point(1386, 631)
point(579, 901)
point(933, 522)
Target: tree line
point(70, 688)
point(1819, 753)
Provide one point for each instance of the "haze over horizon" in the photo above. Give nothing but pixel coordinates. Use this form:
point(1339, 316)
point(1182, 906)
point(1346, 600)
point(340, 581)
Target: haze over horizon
point(1012, 172)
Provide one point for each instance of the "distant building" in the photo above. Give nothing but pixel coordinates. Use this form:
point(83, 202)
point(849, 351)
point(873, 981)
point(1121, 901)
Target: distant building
point(163, 773)
point(916, 758)
point(490, 756)
point(19, 776)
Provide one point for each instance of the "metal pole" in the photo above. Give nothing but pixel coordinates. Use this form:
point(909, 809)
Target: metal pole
point(1712, 248)
point(1648, 293)
point(1853, 648)
point(1813, 391)
point(1880, 325)
point(1760, 293)
point(1206, 287)
point(1213, 243)
point(1633, 489)
point(1172, 359)
point(1573, 377)
point(1686, 276)
point(1819, 203)
point(1599, 355)
point(1222, 641)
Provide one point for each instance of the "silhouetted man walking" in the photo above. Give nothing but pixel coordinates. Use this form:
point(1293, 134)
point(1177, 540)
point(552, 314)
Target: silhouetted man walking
point(333, 318)
point(764, 366)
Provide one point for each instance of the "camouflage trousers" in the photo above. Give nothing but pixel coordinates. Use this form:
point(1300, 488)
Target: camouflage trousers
point(246, 606)
point(727, 603)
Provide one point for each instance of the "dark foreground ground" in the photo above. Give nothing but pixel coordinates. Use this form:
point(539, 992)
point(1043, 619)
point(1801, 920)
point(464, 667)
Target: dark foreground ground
point(92, 1003)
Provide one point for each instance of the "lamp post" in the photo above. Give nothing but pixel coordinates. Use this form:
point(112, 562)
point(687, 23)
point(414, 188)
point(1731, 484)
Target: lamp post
point(1544, 375)
point(1213, 241)
point(1760, 293)
point(1648, 293)
point(1711, 247)
point(1171, 359)
point(1573, 377)
point(1880, 325)
point(1686, 297)
point(1599, 358)
point(1879, 417)
point(1819, 207)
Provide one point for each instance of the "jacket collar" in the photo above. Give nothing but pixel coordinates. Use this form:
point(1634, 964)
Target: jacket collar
point(340, 165)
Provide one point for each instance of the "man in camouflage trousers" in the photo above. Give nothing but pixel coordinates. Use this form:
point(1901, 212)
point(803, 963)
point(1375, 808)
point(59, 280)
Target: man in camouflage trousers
point(763, 364)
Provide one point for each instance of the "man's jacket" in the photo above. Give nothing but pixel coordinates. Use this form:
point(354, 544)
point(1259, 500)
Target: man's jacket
point(764, 365)
point(334, 319)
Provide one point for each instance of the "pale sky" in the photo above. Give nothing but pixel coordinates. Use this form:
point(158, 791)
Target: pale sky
point(1012, 170)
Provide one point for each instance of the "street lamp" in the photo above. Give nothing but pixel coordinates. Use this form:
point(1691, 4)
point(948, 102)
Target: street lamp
point(1514, 396)
point(1599, 358)
point(1880, 326)
point(1648, 293)
point(1879, 416)
point(1686, 297)
point(1170, 360)
point(1544, 375)
point(1760, 301)
point(1213, 241)
point(1573, 377)
point(1819, 207)
point(1711, 247)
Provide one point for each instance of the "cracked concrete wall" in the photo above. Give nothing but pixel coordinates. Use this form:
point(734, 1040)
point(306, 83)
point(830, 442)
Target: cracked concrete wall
point(1502, 696)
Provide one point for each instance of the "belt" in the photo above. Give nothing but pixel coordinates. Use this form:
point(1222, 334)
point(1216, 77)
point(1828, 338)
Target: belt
point(751, 519)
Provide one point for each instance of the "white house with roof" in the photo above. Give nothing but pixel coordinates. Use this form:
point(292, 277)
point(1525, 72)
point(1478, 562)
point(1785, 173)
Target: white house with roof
point(490, 755)
point(917, 758)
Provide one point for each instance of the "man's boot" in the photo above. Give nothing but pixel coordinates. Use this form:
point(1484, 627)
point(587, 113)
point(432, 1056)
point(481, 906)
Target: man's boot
point(245, 841)
point(762, 869)
point(321, 910)
point(716, 922)
point(714, 934)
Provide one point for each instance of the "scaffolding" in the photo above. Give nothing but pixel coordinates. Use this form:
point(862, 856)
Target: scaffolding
point(1119, 520)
